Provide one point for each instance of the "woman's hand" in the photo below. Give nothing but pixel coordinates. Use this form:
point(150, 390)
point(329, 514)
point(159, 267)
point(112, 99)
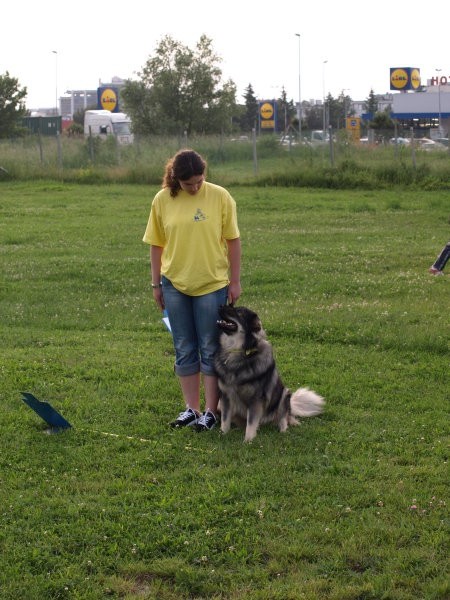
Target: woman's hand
point(234, 291)
point(159, 298)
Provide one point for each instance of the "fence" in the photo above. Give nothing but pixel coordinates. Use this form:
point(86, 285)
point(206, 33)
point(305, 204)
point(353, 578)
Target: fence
point(62, 156)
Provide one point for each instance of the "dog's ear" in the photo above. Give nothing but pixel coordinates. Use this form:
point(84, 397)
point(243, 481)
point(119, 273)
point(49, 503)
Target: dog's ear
point(253, 327)
point(256, 324)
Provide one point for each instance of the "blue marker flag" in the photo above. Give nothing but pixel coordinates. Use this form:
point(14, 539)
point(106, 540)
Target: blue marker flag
point(46, 412)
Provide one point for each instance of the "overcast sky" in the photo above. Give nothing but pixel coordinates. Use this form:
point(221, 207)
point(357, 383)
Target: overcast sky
point(257, 43)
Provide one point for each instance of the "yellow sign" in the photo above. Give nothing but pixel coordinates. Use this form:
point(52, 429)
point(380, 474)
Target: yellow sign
point(266, 110)
point(108, 99)
point(353, 126)
point(405, 78)
point(415, 79)
point(399, 79)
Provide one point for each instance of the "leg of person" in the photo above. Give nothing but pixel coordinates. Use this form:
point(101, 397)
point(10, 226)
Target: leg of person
point(187, 364)
point(211, 388)
point(208, 419)
point(206, 313)
point(190, 388)
point(441, 260)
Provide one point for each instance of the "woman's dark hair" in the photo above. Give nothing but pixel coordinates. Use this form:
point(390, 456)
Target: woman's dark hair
point(184, 165)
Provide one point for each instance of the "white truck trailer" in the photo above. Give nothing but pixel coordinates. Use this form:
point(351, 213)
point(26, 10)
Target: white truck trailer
point(103, 123)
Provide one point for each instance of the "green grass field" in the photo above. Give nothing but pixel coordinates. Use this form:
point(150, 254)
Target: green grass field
point(351, 505)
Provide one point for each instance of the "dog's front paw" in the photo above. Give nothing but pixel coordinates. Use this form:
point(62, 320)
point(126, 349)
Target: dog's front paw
point(225, 427)
point(283, 424)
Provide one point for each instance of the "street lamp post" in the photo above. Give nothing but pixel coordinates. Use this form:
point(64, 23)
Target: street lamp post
point(56, 81)
point(299, 111)
point(439, 99)
point(323, 98)
point(344, 101)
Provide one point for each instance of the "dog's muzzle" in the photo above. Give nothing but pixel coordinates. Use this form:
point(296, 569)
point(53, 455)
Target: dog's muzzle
point(227, 326)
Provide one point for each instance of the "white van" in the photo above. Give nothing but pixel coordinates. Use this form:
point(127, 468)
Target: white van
point(320, 137)
point(103, 123)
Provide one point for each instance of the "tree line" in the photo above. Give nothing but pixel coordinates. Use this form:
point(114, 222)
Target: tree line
point(180, 91)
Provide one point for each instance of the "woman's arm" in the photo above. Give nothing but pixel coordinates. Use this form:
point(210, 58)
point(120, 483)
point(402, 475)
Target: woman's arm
point(155, 264)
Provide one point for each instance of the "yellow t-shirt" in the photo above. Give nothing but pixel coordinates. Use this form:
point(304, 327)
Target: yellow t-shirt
point(192, 230)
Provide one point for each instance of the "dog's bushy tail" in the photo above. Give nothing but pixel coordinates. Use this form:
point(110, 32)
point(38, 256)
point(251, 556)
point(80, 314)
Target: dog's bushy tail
point(306, 403)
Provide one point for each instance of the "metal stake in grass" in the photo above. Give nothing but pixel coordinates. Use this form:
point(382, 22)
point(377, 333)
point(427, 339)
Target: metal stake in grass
point(51, 416)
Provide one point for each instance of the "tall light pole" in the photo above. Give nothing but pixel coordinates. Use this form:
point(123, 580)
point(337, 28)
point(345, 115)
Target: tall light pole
point(345, 106)
point(56, 81)
point(323, 99)
point(439, 98)
point(299, 110)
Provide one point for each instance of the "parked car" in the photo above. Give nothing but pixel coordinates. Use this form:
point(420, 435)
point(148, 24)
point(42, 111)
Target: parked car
point(429, 145)
point(443, 141)
point(288, 140)
point(400, 141)
point(241, 138)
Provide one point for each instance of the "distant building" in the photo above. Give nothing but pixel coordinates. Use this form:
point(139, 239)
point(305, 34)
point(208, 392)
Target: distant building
point(42, 125)
point(384, 103)
point(429, 107)
point(79, 100)
point(76, 101)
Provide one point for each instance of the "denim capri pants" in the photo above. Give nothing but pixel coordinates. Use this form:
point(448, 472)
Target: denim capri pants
point(193, 320)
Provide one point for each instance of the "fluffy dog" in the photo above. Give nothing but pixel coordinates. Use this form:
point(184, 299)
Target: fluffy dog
point(251, 390)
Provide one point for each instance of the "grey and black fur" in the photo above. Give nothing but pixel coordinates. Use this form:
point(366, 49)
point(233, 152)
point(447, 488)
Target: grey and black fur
point(251, 389)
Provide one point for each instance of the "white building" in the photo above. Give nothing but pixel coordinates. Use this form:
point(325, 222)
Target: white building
point(429, 107)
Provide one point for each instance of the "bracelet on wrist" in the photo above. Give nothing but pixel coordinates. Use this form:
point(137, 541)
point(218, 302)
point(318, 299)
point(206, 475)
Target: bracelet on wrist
point(156, 285)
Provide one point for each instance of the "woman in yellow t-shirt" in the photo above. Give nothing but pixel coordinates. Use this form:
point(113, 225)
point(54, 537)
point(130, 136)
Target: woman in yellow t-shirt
point(195, 256)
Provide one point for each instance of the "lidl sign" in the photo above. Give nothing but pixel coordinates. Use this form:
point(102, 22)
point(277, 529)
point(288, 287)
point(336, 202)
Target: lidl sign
point(267, 114)
point(405, 78)
point(108, 98)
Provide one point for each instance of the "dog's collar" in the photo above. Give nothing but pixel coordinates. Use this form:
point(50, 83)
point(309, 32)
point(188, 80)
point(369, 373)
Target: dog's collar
point(247, 352)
